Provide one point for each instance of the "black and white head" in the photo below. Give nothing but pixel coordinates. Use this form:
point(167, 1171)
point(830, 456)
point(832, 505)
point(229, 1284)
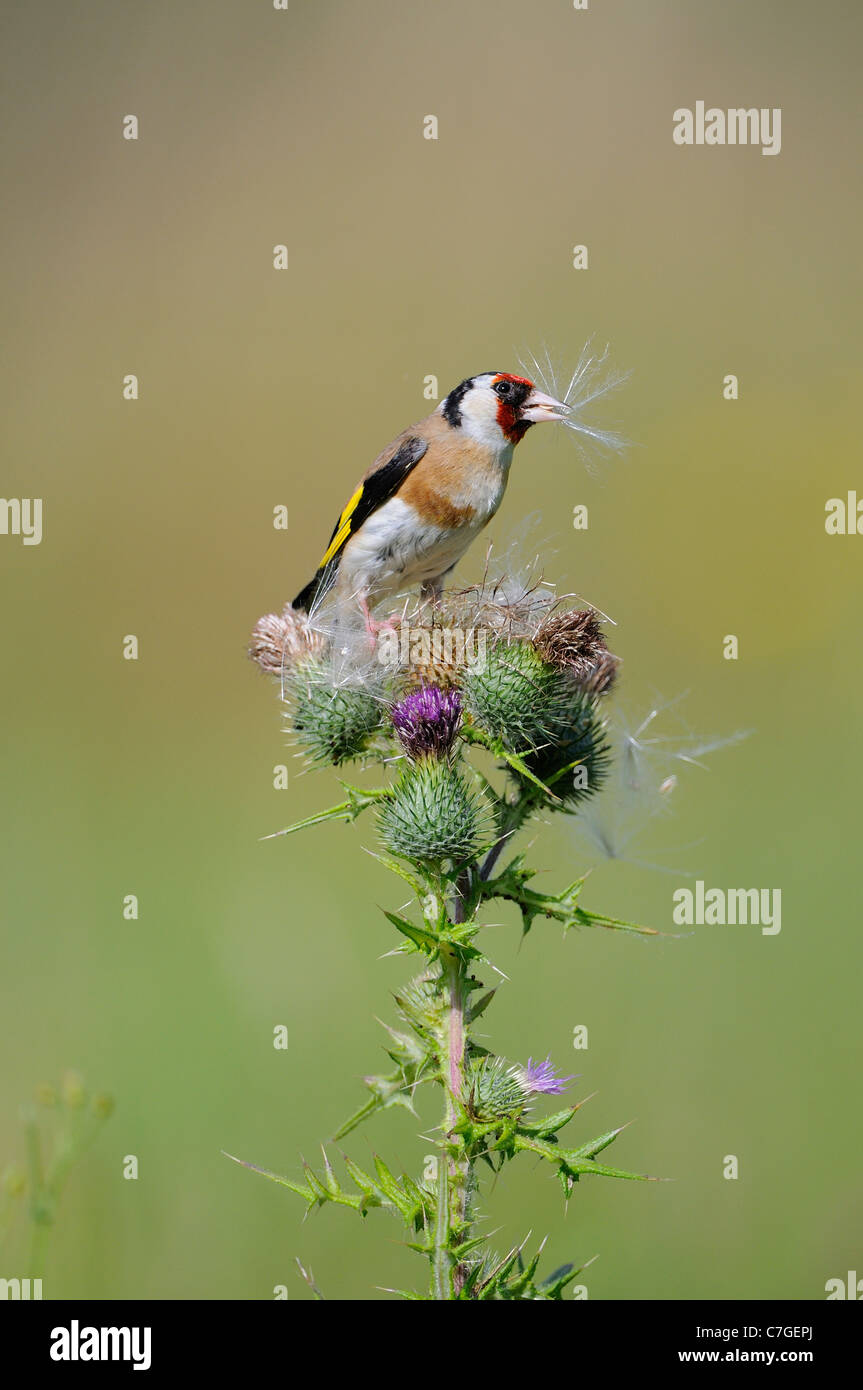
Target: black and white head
point(498, 408)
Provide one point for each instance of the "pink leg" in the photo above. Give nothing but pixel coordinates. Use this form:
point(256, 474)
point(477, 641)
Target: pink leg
point(372, 627)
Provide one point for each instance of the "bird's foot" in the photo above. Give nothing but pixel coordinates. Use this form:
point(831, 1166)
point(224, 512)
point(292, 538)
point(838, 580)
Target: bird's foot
point(374, 627)
point(385, 625)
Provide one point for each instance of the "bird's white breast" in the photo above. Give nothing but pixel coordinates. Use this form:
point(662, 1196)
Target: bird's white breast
point(396, 547)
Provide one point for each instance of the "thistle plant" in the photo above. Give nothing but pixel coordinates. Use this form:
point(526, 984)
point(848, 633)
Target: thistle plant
point(472, 748)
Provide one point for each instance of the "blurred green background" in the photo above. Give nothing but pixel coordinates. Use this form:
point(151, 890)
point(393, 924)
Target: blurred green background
point(411, 257)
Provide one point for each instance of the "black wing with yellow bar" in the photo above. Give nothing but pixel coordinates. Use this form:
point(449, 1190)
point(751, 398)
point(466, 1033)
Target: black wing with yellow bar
point(376, 489)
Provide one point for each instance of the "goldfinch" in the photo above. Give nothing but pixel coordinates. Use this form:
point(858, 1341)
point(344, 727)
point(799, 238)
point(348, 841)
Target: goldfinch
point(429, 494)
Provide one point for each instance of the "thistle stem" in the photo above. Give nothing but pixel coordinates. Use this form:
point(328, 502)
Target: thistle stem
point(441, 1263)
point(513, 815)
point(454, 1168)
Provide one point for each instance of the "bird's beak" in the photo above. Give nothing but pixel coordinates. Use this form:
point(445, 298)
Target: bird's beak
point(539, 407)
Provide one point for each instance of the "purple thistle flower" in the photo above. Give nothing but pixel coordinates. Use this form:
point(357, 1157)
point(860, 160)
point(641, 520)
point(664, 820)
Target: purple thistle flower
point(540, 1077)
point(427, 721)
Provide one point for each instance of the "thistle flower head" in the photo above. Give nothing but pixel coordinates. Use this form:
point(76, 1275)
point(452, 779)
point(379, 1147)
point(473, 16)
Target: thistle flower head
point(333, 721)
point(541, 1078)
point(573, 641)
point(428, 649)
point(602, 674)
point(281, 641)
point(573, 761)
point(494, 1090)
point(431, 815)
point(427, 721)
point(513, 696)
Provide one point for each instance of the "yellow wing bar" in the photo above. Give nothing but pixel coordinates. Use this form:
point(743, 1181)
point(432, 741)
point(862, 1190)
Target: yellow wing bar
point(343, 530)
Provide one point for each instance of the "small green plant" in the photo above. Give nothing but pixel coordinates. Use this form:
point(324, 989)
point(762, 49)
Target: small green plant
point(527, 700)
point(59, 1126)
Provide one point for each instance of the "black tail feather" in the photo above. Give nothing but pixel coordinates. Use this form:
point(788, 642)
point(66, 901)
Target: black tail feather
point(306, 597)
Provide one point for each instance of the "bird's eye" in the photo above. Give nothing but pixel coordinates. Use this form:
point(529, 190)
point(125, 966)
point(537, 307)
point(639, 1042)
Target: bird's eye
point(502, 388)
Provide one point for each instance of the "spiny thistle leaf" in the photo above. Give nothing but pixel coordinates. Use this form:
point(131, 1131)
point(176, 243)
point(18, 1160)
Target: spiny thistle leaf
point(309, 1278)
point(583, 918)
point(306, 1193)
point(571, 1163)
point(423, 940)
point(522, 1283)
point(547, 1128)
point(494, 1284)
point(322, 1192)
point(476, 1010)
point(455, 940)
point(397, 867)
point(595, 1146)
point(512, 760)
point(358, 800)
point(563, 907)
point(467, 1247)
point(402, 1197)
point(330, 1179)
point(512, 1279)
point(395, 1192)
point(422, 1200)
point(366, 1184)
point(387, 1091)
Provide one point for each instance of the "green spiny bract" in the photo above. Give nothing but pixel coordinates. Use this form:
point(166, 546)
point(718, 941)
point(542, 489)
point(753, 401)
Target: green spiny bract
point(421, 1004)
point(514, 696)
point(493, 1090)
point(574, 761)
point(431, 816)
point(508, 1278)
point(334, 723)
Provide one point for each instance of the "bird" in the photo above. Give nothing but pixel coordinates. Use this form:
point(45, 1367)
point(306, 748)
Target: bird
point(428, 495)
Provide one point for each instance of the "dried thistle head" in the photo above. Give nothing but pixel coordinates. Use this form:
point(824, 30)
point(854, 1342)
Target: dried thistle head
point(280, 641)
point(602, 675)
point(437, 671)
point(507, 608)
point(574, 642)
point(425, 653)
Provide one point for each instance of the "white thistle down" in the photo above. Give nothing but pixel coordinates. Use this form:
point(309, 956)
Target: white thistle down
point(646, 765)
point(592, 379)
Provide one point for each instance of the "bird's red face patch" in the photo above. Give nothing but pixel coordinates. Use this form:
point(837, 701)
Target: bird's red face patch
point(511, 392)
